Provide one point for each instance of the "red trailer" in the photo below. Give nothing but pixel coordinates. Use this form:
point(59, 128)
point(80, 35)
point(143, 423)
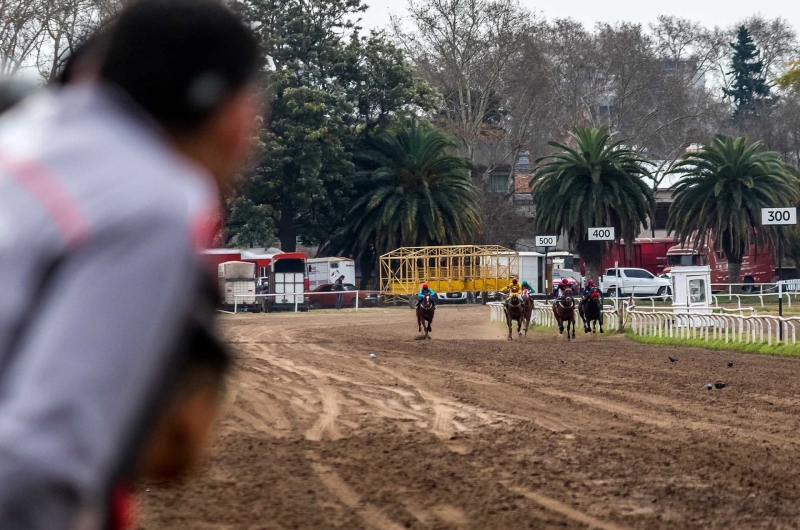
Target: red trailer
point(648, 253)
point(758, 265)
point(282, 273)
point(214, 257)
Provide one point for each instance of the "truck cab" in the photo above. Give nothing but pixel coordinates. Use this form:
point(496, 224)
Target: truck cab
point(635, 282)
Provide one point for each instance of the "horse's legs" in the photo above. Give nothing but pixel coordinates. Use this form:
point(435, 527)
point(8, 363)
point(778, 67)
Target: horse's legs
point(573, 325)
point(509, 322)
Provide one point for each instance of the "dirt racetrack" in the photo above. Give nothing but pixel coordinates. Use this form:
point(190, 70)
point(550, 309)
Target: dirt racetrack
point(470, 431)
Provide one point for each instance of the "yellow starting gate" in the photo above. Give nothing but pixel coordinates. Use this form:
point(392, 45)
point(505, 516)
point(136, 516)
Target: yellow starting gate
point(447, 269)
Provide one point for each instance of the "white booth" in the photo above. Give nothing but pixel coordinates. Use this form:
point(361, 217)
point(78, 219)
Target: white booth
point(691, 288)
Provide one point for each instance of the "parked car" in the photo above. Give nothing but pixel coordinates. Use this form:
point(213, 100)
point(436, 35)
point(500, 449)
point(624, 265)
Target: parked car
point(319, 300)
point(639, 282)
point(453, 298)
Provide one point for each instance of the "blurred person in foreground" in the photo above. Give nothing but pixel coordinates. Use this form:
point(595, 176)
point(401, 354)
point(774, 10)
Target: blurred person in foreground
point(108, 186)
point(13, 90)
point(177, 438)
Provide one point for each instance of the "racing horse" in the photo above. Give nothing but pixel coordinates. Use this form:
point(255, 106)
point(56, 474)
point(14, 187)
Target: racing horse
point(527, 310)
point(515, 310)
point(564, 311)
point(425, 310)
point(591, 312)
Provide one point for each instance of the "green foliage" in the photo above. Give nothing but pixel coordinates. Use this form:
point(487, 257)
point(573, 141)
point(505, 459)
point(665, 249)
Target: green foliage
point(749, 87)
point(727, 184)
point(252, 224)
point(597, 183)
point(328, 89)
point(790, 80)
point(412, 192)
point(719, 344)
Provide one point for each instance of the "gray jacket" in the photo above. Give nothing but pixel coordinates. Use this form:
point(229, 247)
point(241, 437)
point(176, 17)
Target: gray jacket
point(99, 224)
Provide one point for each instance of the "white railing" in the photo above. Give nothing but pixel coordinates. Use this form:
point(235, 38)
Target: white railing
point(743, 329)
point(236, 298)
point(542, 314)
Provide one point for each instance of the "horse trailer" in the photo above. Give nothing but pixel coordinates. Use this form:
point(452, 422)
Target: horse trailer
point(237, 286)
point(328, 270)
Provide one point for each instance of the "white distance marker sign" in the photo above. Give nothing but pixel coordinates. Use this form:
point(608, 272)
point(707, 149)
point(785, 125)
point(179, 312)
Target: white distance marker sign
point(601, 233)
point(779, 216)
point(545, 241)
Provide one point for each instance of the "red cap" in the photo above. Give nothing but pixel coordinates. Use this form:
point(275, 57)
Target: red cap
point(564, 281)
point(424, 285)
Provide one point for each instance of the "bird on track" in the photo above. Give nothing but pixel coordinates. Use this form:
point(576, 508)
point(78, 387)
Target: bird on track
point(730, 364)
point(562, 361)
point(671, 359)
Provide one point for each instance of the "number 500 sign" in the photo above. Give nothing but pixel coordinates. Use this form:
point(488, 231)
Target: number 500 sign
point(778, 216)
point(601, 233)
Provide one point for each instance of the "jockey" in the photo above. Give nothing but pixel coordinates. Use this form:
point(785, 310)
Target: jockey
point(590, 286)
point(513, 288)
point(561, 288)
point(527, 290)
point(426, 290)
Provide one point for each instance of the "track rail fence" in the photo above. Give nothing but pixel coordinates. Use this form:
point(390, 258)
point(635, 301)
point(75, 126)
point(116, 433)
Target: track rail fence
point(720, 325)
point(733, 325)
point(542, 314)
point(237, 297)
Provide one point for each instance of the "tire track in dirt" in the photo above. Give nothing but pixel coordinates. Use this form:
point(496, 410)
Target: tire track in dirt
point(567, 511)
point(369, 513)
point(662, 421)
point(327, 420)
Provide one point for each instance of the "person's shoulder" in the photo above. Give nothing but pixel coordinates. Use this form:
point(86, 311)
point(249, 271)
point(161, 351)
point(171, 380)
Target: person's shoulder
point(117, 168)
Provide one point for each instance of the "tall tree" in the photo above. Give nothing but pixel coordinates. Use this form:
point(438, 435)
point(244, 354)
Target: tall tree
point(749, 87)
point(596, 183)
point(462, 48)
point(328, 86)
point(413, 193)
point(727, 184)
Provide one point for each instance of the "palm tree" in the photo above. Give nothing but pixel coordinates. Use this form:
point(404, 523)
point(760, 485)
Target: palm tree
point(412, 192)
point(727, 184)
point(597, 183)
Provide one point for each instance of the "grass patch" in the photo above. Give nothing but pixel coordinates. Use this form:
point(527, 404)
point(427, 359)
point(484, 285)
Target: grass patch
point(760, 348)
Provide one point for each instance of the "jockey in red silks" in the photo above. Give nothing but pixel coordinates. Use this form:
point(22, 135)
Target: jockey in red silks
point(561, 287)
point(592, 290)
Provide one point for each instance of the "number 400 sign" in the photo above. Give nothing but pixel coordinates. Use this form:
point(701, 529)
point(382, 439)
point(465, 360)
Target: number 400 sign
point(601, 233)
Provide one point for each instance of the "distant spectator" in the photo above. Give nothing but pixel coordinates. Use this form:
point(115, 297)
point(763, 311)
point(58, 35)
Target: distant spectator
point(108, 185)
point(338, 286)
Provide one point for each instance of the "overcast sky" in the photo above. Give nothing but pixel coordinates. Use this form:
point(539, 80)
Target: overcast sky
point(708, 12)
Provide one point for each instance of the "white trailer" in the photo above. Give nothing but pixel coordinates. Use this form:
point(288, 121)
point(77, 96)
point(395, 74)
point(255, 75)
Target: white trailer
point(528, 266)
point(531, 268)
point(237, 286)
point(327, 270)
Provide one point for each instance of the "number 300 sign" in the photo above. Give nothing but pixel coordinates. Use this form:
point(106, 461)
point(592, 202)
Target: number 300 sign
point(779, 216)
